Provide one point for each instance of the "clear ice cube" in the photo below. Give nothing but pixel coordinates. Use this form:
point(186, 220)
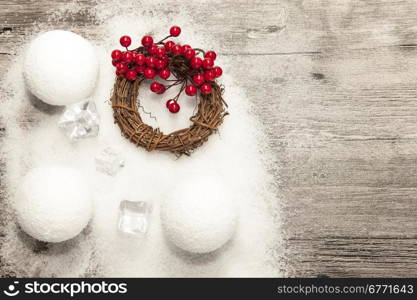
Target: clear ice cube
point(109, 161)
point(134, 217)
point(80, 120)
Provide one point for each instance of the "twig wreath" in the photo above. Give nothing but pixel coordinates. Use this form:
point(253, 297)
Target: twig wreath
point(196, 76)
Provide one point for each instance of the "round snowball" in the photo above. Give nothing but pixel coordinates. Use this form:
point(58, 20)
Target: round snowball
point(53, 203)
point(60, 67)
point(199, 216)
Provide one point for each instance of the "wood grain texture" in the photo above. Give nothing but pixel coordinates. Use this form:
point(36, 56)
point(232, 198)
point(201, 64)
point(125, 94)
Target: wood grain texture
point(334, 84)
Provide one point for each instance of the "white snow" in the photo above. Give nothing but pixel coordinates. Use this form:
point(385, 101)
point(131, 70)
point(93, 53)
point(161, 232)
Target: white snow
point(235, 156)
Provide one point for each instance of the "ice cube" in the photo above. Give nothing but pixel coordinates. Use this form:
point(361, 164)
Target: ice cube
point(80, 120)
point(134, 217)
point(109, 161)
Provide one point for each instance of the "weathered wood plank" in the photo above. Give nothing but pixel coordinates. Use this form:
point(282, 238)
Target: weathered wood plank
point(354, 257)
point(254, 27)
point(345, 139)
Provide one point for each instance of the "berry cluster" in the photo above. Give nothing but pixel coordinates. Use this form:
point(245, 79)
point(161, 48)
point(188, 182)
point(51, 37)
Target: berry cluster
point(166, 58)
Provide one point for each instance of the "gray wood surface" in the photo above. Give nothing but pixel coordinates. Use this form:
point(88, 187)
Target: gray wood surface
point(334, 82)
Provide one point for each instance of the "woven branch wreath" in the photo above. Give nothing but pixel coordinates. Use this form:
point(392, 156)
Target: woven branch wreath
point(194, 75)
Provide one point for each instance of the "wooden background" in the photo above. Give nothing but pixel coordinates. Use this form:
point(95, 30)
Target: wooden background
point(334, 82)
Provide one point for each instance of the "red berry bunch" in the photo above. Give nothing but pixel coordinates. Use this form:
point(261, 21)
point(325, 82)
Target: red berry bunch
point(166, 58)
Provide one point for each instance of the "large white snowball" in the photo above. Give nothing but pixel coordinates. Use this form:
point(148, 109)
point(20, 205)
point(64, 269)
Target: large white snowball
point(199, 216)
point(60, 67)
point(53, 203)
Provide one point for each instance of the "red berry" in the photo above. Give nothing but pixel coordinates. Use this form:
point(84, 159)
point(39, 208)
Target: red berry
point(175, 31)
point(162, 89)
point(152, 49)
point(149, 73)
point(209, 75)
point(208, 63)
point(189, 53)
point(210, 54)
point(160, 52)
point(140, 59)
point(131, 75)
point(168, 46)
point(186, 47)
point(128, 56)
point(168, 103)
point(155, 86)
point(190, 90)
point(118, 74)
point(198, 79)
point(140, 68)
point(176, 50)
point(164, 74)
point(116, 55)
point(218, 71)
point(159, 64)
point(121, 67)
point(125, 41)
point(196, 62)
point(150, 61)
point(147, 41)
point(173, 107)
point(114, 62)
point(165, 61)
point(205, 88)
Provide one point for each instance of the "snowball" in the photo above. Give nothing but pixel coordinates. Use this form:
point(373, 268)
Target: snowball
point(60, 67)
point(199, 216)
point(53, 203)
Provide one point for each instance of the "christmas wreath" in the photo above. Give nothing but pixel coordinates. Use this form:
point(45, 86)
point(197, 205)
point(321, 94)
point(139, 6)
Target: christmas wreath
point(195, 75)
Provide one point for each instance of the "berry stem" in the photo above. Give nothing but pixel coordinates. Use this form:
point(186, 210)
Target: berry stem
point(140, 49)
point(177, 82)
point(200, 50)
point(181, 90)
point(161, 41)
